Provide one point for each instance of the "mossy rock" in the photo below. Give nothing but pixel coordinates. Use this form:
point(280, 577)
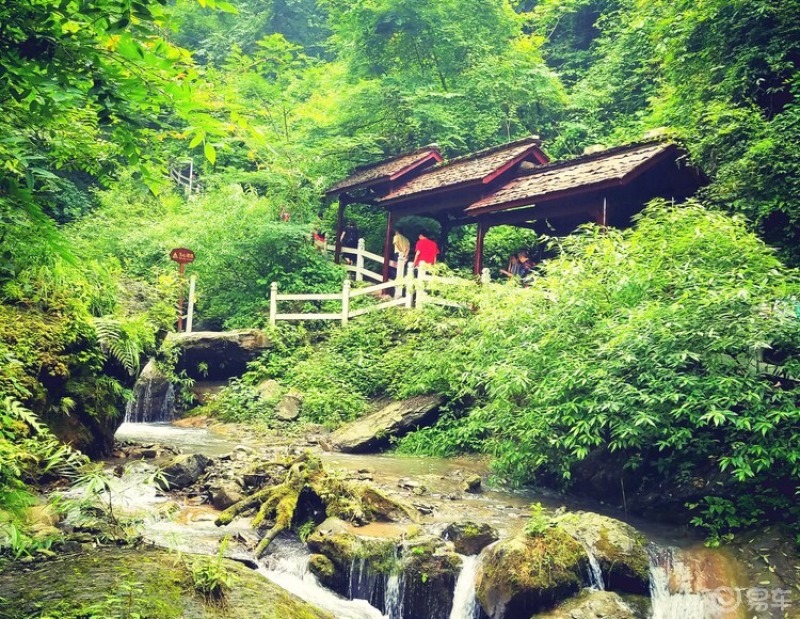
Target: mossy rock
point(523, 575)
point(593, 605)
point(116, 582)
point(469, 537)
point(620, 549)
point(430, 573)
point(344, 550)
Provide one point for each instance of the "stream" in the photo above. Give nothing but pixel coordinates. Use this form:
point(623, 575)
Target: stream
point(687, 580)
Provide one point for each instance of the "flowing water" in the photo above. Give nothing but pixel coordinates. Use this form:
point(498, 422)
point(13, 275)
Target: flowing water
point(595, 573)
point(465, 604)
point(686, 583)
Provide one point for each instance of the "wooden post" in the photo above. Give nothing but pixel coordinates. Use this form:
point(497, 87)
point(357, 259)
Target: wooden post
point(486, 276)
point(345, 302)
point(478, 265)
point(191, 173)
point(399, 276)
point(360, 261)
point(337, 255)
point(409, 287)
point(190, 312)
point(388, 246)
point(421, 279)
point(181, 268)
point(273, 303)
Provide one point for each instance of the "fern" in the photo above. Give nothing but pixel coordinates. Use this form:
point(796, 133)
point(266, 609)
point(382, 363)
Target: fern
point(117, 343)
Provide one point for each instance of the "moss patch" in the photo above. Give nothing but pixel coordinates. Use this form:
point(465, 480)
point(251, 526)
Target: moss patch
point(114, 582)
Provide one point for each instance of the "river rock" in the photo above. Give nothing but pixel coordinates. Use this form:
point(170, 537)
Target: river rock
point(593, 605)
point(468, 537)
point(430, 572)
point(620, 549)
point(373, 432)
point(347, 552)
point(183, 471)
point(157, 581)
point(226, 494)
point(288, 409)
point(153, 396)
point(523, 575)
point(472, 484)
point(215, 356)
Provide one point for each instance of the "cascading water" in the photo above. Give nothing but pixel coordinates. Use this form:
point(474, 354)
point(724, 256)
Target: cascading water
point(394, 595)
point(686, 587)
point(595, 573)
point(287, 567)
point(465, 604)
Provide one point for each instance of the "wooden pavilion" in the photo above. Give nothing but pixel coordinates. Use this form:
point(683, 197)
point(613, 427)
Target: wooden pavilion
point(516, 184)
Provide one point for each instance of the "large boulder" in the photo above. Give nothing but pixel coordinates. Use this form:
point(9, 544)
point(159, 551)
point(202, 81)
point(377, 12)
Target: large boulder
point(430, 572)
point(183, 471)
point(620, 550)
point(210, 355)
point(468, 537)
point(593, 605)
point(288, 409)
point(153, 396)
point(524, 575)
point(373, 432)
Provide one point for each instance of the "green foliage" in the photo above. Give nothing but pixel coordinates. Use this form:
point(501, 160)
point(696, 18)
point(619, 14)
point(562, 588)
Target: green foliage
point(539, 522)
point(210, 577)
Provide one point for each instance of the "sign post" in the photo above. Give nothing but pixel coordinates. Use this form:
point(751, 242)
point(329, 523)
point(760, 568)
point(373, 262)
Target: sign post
point(182, 256)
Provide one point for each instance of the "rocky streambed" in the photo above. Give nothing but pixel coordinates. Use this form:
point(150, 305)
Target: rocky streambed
point(416, 538)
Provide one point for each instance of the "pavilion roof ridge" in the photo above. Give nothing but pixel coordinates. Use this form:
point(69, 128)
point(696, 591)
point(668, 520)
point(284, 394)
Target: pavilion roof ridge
point(595, 156)
point(533, 140)
point(370, 173)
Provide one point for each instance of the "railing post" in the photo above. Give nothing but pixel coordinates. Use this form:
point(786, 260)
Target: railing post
point(421, 279)
point(486, 276)
point(190, 312)
point(345, 302)
point(360, 261)
point(409, 285)
point(399, 275)
point(273, 303)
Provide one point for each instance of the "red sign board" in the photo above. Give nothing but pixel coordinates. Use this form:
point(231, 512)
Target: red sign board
point(181, 255)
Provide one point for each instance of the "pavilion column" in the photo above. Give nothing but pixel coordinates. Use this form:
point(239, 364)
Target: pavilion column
point(478, 265)
point(343, 202)
point(444, 241)
point(387, 245)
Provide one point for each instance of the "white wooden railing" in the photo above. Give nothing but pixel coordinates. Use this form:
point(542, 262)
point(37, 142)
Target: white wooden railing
point(410, 289)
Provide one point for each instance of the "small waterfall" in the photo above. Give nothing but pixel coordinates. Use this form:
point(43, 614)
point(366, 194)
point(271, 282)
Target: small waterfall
point(465, 604)
point(287, 567)
point(595, 573)
point(394, 595)
point(153, 397)
point(366, 584)
point(679, 589)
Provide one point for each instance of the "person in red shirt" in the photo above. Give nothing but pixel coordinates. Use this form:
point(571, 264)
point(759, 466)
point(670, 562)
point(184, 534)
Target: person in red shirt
point(425, 250)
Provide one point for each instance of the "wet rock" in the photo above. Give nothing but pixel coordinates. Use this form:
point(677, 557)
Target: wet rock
point(523, 575)
point(371, 433)
point(468, 537)
point(198, 421)
point(288, 409)
point(72, 582)
point(324, 569)
point(153, 396)
point(205, 390)
point(430, 573)
point(347, 552)
point(593, 605)
point(216, 356)
point(226, 495)
point(620, 549)
point(182, 471)
point(472, 484)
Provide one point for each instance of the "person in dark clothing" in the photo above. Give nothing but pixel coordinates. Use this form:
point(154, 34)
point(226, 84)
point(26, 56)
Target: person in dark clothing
point(350, 239)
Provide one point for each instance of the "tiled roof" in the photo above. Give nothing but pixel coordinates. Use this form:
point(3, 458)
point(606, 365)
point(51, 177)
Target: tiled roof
point(471, 168)
point(612, 166)
point(386, 170)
